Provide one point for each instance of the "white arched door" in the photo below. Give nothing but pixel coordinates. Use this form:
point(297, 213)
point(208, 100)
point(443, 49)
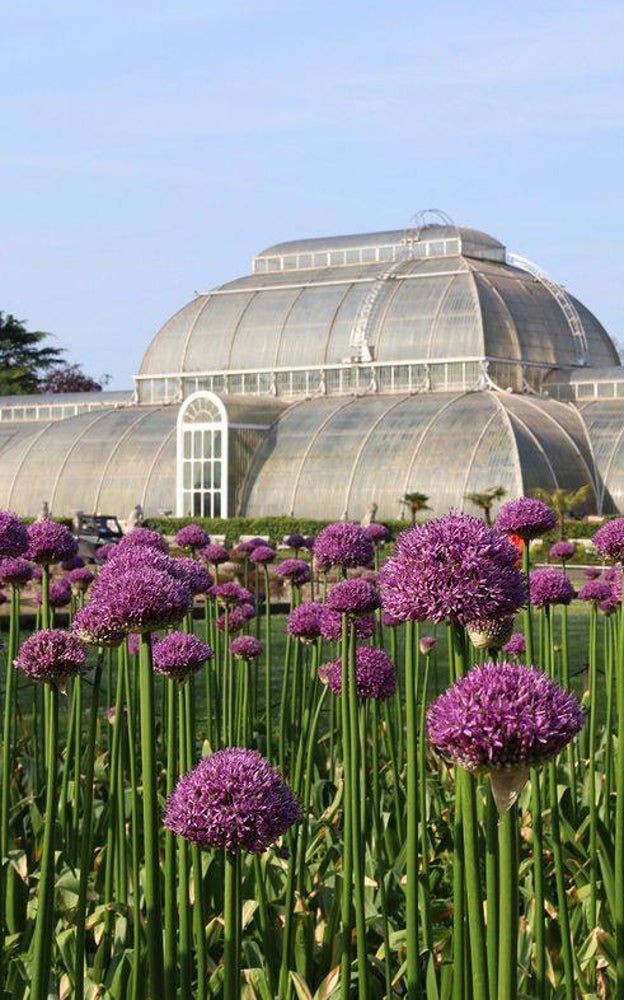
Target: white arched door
point(202, 462)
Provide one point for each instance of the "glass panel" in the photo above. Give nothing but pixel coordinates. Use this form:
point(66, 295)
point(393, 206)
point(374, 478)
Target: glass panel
point(187, 471)
point(217, 444)
point(337, 257)
point(274, 263)
point(290, 261)
point(320, 259)
point(353, 257)
point(305, 260)
point(368, 254)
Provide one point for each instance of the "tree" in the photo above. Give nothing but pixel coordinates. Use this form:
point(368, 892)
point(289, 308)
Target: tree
point(485, 501)
point(563, 501)
point(71, 378)
point(415, 502)
point(23, 362)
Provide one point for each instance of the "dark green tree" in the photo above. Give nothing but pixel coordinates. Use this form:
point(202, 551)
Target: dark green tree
point(485, 500)
point(23, 359)
point(564, 501)
point(415, 502)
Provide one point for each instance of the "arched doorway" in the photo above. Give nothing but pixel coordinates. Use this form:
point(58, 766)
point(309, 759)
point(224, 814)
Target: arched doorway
point(202, 457)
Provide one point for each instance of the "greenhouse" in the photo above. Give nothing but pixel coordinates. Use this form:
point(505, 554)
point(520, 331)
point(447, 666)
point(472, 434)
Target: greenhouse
point(341, 372)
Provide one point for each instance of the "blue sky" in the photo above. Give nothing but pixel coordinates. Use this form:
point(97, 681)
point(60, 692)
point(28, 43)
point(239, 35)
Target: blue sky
point(151, 148)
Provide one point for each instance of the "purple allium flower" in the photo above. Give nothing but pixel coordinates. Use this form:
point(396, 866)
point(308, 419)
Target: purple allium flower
point(262, 554)
point(76, 562)
point(453, 568)
point(343, 544)
point(309, 542)
point(609, 539)
point(104, 552)
point(192, 536)
point(331, 625)
point(233, 622)
point(121, 560)
point(179, 654)
point(375, 674)
point(613, 576)
point(595, 590)
point(592, 572)
point(503, 715)
point(526, 517)
point(80, 578)
point(490, 634)
point(426, 644)
point(247, 609)
point(140, 600)
point(295, 570)
point(233, 799)
point(246, 548)
point(94, 625)
point(562, 550)
point(304, 621)
point(389, 621)
point(15, 571)
point(143, 536)
point(59, 593)
point(378, 533)
point(516, 645)
point(550, 586)
point(295, 541)
point(215, 554)
point(353, 597)
point(246, 647)
point(49, 542)
point(134, 643)
point(51, 655)
point(193, 574)
point(13, 535)
point(230, 593)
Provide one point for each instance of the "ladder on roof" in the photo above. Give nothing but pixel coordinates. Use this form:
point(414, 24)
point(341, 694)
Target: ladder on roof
point(562, 299)
point(359, 347)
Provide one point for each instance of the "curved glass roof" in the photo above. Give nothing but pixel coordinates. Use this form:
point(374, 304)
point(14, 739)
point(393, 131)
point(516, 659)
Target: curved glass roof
point(604, 419)
point(325, 455)
point(466, 304)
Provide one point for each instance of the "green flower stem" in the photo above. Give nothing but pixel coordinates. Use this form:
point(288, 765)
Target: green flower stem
point(609, 645)
point(414, 980)
point(508, 909)
point(619, 814)
point(357, 832)
point(68, 762)
point(378, 845)
point(459, 905)
point(113, 780)
point(171, 920)
point(346, 905)
point(593, 750)
point(568, 980)
point(44, 922)
point(10, 692)
point(231, 928)
point(565, 680)
point(199, 923)
point(306, 795)
point(151, 822)
point(268, 716)
point(492, 836)
point(185, 956)
point(285, 691)
point(526, 614)
point(86, 842)
point(467, 800)
point(135, 821)
point(538, 886)
point(427, 928)
point(396, 762)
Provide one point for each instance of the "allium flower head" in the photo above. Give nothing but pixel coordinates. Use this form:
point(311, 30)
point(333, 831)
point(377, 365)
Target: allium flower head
point(50, 542)
point(613, 576)
point(215, 554)
point(295, 570)
point(562, 550)
point(96, 625)
point(80, 578)
point(51, 655)
point(233, 799)
point(592, 572)
point(59, 593)
point(304, 621)
point(246, 548)
point(143, 536)
point(353, 597)
point(526, 517)
point(13, 535)
point(104, 552)
point(246, 647)
point(295, 541)
point(427, 644)
point(192, 536)
point(501, 715)
point(262, 554)
point(229, 593)
point(378, 533)
point(140, 600)
point(179, 654)
point(490, 634)
point(331, 625)
point(453, 568)
point(133, 557)
point(609, 539)
point(343, 544)
point(595, 590)
point(193, 574)
point(134, 643)
point(15, 571)
point(76, 562)
point(375, 674)
point(516, 645)
point(550, 586)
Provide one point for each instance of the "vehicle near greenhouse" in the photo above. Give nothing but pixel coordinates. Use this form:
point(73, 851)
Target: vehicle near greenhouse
point(91, 531)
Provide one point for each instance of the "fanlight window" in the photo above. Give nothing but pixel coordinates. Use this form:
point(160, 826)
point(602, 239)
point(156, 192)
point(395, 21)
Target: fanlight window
point(202, 457)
